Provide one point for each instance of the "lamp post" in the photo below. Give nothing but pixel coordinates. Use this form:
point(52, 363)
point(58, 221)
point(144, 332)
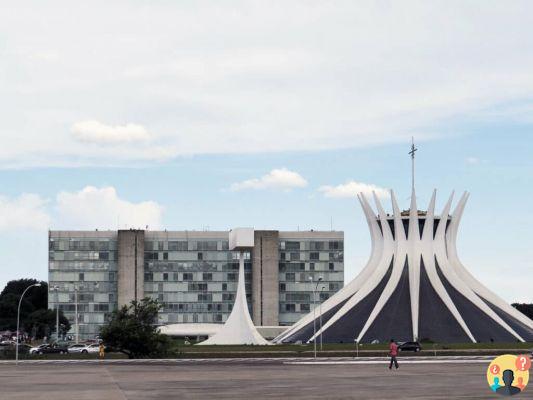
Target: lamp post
point(56, 289)
point(18, 319)
point(314, 311)
point(320, 314)
point(76, 311)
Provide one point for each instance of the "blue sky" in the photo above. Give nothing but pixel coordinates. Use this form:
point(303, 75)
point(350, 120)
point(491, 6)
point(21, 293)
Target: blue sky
point(172, 115)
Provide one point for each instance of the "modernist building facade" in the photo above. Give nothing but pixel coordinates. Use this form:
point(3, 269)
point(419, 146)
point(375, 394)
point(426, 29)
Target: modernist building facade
point(192, 273)
point(414, 287)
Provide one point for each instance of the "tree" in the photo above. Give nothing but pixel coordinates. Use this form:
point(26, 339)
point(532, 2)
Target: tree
point(43, 322)
point(35, 299)
point(131, 330)
point(524, 308)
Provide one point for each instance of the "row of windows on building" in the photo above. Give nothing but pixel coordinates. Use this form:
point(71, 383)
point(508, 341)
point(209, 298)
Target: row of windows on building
point(292, 308)
point(189, 276)
point(184, 245)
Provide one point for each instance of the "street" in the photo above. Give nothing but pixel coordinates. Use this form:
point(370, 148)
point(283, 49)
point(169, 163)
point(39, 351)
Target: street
point(244, 380)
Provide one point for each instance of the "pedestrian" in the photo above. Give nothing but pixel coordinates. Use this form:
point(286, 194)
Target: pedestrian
point(393, 353)
point(101, 351)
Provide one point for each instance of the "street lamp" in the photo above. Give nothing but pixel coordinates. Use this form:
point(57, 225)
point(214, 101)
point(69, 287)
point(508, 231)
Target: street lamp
point(76, 288)
point(56, 289)
point(320, 314)
point(18, 319)
point(314, 311)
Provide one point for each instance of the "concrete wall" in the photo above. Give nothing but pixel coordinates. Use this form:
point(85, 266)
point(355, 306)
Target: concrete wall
point(130, 266)
point(265, 283)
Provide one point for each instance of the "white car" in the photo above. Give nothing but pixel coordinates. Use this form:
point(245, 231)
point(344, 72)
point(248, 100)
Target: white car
point(90, 349)
point(76, 348)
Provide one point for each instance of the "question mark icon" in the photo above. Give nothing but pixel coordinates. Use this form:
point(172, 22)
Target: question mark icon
point(523, 363)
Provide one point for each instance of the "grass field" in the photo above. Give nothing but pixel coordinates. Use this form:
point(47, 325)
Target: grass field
point(181, 350)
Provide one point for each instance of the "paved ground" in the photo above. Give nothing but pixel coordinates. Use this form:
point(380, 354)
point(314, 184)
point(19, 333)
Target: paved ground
point(244, 380)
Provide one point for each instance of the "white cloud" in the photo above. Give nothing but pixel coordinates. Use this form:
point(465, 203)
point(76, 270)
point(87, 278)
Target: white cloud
point(92, 131)
point(92, 208)
point(352, 189)
point(27, 211)
point(281, 179)
point(343, 74)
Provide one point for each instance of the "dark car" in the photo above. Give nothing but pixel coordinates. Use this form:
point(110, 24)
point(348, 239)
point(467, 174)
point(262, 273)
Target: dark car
point(410, 346)
point(51, 349)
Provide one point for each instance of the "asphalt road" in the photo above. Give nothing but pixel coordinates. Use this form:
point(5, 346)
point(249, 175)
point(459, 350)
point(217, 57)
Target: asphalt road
point(244, 380)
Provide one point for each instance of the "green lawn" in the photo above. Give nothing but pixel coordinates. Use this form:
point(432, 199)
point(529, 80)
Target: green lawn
point(180, 350)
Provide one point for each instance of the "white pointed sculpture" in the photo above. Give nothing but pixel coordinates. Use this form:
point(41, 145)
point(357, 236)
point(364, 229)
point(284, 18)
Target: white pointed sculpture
point(239, 328)
point(414, 287)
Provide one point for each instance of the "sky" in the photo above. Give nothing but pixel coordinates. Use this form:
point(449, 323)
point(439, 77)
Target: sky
point(211, 115)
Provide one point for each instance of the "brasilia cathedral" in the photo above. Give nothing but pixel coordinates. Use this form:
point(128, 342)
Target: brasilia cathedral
point(414, 287)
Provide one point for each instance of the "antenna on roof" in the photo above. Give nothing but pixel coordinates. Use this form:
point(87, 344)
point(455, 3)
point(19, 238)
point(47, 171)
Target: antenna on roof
point(412, 153)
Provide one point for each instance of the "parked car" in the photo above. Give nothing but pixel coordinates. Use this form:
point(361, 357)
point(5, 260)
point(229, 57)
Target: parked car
point(410, 346)
point(50, 349)
point(91, 349)
point(35, 349)
point(76, 348)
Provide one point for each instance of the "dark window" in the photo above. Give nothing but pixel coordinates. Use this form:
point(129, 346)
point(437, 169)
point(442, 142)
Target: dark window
point(292, 245)
point(282, 256)
point(335, 245)
point(205, 297)
point(311, 266)
point(317, 245)
point(200, 256)
point(228, 296)
point(165, 256)
point(165, 276)
point(314, 256)
point(290, 307)
point(103, 255)
point(197, 287)
point(148, 277)
point(81, 276)
point(187, 276)
point(232, 276)
point(224, 286)
point(295, 256)
point(282, 287)
point(304, 307)
point(331, 266)
point(289, 277)
point(177, 246)
point(207, 276)
point(324, 296)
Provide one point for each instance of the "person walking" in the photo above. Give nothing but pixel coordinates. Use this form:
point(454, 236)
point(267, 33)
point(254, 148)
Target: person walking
point(393, 353)
point(101, 351)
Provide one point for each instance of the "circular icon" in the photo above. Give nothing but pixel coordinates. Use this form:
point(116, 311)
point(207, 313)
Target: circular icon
point(494, 369)
point(508, 374)
point(523, 363)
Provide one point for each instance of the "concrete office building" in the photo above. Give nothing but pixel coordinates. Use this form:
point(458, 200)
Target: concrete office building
point(192, 273)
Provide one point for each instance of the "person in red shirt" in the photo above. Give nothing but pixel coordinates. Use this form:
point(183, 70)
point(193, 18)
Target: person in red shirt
point(393, 352)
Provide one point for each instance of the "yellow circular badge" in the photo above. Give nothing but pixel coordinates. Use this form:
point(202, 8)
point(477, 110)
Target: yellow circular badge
point(509, 374)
